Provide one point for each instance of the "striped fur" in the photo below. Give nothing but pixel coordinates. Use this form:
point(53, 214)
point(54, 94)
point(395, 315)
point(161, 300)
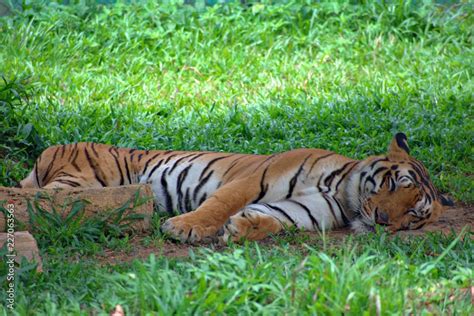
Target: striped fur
point(240, 195)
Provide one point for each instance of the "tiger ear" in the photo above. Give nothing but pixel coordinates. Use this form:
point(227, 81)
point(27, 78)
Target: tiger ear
point(398, 148)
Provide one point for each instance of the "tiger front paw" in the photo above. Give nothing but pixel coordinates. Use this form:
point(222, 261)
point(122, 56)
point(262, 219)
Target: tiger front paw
point(188, 228)
point(248, 224)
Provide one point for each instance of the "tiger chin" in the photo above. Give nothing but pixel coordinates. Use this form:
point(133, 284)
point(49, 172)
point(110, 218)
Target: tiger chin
point(233, 196)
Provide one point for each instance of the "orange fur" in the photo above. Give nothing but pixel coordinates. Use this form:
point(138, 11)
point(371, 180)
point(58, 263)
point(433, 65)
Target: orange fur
point(309, 188)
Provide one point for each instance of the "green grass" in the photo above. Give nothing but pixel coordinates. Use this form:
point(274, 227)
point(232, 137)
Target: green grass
point(267, 78)
point(410, 276)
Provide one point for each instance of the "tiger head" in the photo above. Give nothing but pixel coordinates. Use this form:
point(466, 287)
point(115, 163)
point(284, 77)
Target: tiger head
point(395, 191)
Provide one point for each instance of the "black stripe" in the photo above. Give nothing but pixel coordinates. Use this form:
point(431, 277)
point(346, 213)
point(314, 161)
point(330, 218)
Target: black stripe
point(341, 210)
point(131, 151)
point(115, 150)
point(93, 150)
point(197, 156)
point(203, 198)
point(201, 184)
point(232, 165)
point(178, 161)
point(420, 167)
point(263, 186)
point(318, 185)
point(293, 180)
point(181, 177)
point(168, 201)
point(122, 182)
point(419, 226)
point(140, 157)
point(148, 162)
point(276, 208)
point(187, 201)
point(209, 164)
point(68, 182)
point(385, 178)
point(74, 164)
point(371, 180)
point(423, 178)
point(264, 161)
point(393, 186)
point(154, 168)
point(313, 220)
point(329, 179)
point(50, 166)
point(169, 158)
point(318, 159)
point(372, 165)
point(413, 175)
point(331, 208)
point(93, 167)
point(64, 174)
point(377, 171)
point(75, 153)
point(63, 150)
point(127, 169)
point(36, 174)
point(345, 175)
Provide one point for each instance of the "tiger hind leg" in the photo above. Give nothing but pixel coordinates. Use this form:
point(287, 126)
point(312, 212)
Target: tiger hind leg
point(251, 225)
point(57, 185)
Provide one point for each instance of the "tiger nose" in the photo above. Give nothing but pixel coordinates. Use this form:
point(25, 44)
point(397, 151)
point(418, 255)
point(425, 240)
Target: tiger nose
point(382, 218)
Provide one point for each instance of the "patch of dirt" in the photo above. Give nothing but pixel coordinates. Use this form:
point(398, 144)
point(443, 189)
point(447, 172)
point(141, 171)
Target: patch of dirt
point(139, 251)
point(453, 220)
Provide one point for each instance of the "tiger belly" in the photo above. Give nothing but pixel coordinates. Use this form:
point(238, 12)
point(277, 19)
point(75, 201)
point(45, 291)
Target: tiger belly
point(181, 188)
point(314, 212)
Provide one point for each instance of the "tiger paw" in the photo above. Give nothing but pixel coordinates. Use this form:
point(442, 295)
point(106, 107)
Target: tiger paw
point(249, 224)
point(188, 228)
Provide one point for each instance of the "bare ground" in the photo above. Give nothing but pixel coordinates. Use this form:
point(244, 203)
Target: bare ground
point(453, 220)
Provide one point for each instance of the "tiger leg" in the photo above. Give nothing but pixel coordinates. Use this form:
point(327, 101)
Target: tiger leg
point(256, 221)
point(70, 182)
point(56, 185)
point(212, 214)
point(250, 224)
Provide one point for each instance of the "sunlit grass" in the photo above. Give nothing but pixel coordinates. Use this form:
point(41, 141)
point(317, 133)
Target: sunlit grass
point(368, 274)
point(337, 76)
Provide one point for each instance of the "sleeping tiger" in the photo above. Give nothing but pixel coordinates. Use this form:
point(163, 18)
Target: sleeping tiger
point(241, 195)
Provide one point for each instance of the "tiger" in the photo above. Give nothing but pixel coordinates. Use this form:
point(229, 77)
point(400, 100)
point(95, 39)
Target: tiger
point(232, 196)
